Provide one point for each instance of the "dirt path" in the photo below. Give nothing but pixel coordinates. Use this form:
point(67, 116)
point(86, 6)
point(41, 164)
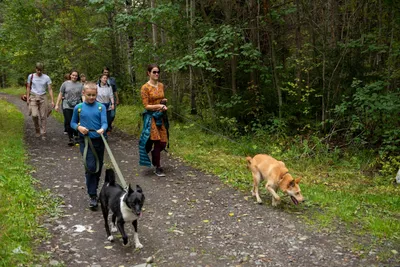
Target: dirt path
point(190, 218)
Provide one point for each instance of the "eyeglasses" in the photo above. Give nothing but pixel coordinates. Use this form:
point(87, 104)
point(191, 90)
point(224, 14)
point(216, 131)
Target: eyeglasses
point(155, 72)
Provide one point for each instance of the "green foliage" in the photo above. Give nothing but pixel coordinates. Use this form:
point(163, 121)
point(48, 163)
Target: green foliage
point(129, 119)
point(20, 205)
point(371, 116)
point(246, 64)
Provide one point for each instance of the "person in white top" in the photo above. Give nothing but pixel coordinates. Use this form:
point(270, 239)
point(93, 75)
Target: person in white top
point(105, 96)
point(37, 85)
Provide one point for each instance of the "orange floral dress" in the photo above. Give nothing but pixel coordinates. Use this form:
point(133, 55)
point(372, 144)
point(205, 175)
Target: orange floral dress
point(153, 96)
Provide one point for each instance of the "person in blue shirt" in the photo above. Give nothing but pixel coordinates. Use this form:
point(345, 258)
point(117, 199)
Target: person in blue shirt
point(90, 120)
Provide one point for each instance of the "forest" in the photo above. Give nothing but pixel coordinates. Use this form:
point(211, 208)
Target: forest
point(315, 70)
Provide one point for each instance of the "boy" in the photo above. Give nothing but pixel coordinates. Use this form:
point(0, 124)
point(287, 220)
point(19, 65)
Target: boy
point(90, 120)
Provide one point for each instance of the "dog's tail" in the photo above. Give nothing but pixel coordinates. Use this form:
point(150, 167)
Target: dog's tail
point(110, 177)
point(248, 161)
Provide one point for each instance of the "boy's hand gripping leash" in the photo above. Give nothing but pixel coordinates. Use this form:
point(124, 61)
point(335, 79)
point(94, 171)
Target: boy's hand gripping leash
point(88, 143)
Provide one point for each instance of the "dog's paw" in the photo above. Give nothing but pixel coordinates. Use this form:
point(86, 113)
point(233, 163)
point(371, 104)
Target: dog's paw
point(128, 244)
point(113, 229)
point(138, 245)
point(275, 202)
point(110, 238)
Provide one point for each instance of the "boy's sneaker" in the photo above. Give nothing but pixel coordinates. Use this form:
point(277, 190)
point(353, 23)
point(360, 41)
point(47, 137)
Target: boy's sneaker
point(159, 172)
point(93, 203)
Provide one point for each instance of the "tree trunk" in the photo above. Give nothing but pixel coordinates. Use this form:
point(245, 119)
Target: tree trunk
point(298, 45)
point(153, 25)
point(274, 72)
point(190, 8)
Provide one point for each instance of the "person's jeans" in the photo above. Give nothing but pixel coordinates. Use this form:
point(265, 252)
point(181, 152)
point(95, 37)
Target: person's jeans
point(156, 152)
point(109, 120)
point(92, 179)
point(67, 118)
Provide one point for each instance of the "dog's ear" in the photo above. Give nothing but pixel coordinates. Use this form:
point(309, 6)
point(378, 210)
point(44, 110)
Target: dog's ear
point(298, 180)
point(130, 191)
point(292, 183)
point(248, 160)
point(139, 189)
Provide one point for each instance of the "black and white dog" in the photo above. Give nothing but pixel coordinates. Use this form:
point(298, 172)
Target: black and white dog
point(125, 206)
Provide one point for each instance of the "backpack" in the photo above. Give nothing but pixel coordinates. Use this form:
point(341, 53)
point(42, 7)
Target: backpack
point(80, 109)
point(30, 84)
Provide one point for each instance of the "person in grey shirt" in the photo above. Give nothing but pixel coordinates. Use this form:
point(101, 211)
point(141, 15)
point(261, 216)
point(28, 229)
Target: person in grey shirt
point(70, 95)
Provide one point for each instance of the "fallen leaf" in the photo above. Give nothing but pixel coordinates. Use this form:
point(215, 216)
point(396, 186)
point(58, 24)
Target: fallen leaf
point(206, 221)
point(79, 228)
point(108, 247)
point(231, 214)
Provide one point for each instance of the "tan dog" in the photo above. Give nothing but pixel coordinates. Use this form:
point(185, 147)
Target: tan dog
point(276, 175)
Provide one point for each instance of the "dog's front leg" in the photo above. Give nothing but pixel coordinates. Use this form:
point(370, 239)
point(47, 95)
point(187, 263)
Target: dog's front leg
point(136, 235)
point(120, 225)
point(113, 227)
point(275, 198)
point(256, 182)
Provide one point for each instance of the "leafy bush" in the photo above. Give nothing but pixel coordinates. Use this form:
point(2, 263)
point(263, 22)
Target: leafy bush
point(371, 116)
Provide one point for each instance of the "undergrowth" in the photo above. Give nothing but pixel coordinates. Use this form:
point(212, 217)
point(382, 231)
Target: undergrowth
point(21, 205)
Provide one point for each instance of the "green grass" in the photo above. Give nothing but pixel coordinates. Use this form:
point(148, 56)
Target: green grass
point(337, 191)
point(21, 206)
point(14, 90)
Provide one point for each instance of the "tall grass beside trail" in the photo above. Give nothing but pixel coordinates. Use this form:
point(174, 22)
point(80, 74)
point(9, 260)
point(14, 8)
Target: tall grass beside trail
point(20, 204)
point(333, 182)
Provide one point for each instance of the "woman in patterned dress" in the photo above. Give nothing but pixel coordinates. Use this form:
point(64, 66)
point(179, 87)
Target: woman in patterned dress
point(154, 136)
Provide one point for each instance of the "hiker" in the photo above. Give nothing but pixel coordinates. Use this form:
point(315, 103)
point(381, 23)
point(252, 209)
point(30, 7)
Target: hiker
point(90, 120)
point(66, 78)
point(83, 78)
point(37, 85)
point(105, 96)
point(111, 81)
point(154, 136)
point(70, 95)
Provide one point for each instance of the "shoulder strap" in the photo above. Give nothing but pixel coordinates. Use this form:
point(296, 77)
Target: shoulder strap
point(79, 112)
point(30, 84)
point(80, 109)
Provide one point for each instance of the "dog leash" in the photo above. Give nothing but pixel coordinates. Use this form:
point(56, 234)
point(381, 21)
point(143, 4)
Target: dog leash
point(114, 162)
point(88, 142)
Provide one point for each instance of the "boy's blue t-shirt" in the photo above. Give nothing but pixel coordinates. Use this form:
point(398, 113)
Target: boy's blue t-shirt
point(92, 116)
